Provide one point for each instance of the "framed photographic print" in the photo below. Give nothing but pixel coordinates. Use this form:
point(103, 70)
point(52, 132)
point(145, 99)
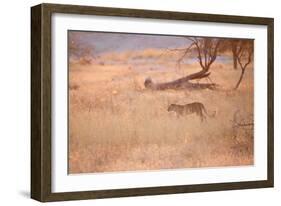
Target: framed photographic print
point(132, 102)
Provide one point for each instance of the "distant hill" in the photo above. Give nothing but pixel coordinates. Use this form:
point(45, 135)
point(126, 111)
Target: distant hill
point(102, 42)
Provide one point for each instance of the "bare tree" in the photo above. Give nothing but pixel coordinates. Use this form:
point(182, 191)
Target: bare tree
point(79, 51)
point(230, 45)
point(73, 44)
point(244, 57)
point(206, 50)
point(234, 50)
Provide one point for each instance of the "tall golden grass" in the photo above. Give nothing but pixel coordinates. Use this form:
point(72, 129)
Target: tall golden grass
point(118, 125)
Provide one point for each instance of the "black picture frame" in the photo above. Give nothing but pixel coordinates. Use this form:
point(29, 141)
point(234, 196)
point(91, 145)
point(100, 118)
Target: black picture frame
point(41, 116)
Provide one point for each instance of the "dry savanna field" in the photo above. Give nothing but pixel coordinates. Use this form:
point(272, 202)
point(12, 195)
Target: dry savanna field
point(116, 124)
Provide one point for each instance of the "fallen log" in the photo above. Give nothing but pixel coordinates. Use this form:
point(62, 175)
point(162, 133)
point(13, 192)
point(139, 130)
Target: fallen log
point(183, 83)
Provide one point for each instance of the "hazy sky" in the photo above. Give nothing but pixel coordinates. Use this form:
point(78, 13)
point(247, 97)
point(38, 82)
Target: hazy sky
point(106, 42)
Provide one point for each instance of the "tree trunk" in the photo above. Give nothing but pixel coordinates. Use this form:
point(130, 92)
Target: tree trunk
point(235, 55)
point(235, 61)
point(240, 79)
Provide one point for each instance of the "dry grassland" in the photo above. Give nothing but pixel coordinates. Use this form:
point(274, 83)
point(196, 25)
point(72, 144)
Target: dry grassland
point(118, 125)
